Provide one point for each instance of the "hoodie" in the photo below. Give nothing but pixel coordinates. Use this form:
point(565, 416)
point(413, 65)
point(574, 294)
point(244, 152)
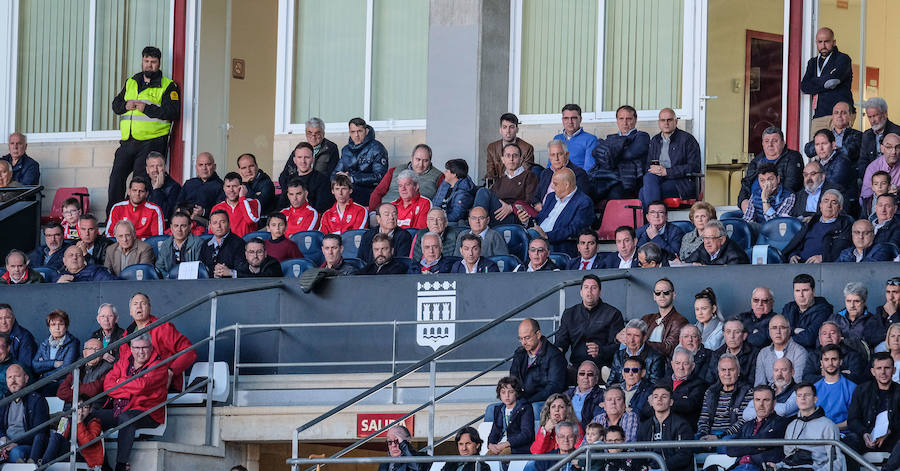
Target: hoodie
point(815, 427)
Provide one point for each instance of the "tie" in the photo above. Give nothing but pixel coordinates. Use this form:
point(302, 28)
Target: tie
point(584, 264)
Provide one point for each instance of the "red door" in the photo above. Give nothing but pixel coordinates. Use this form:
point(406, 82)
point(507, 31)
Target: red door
point(763, 79)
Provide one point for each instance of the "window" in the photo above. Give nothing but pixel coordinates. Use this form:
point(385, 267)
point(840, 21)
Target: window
point(349, 58)
point(73, 57)
point(598, 53)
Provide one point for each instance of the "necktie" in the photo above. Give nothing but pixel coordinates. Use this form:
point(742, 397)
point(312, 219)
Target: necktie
point(584, 265)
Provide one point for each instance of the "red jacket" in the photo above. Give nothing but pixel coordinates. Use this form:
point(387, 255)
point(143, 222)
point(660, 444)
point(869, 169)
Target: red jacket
point(64, 391)
point(167, 341)
point(93, 454)
point(146, 217)
point(242, 217)
point(144, 393)
point(415, 215)
point(545, 442)
point(354, 217)
point(301, 219)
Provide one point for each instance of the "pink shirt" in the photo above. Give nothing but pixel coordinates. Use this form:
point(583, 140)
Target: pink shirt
point(876, 165)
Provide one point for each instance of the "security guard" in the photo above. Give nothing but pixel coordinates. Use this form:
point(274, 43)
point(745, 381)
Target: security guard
point(148, 105)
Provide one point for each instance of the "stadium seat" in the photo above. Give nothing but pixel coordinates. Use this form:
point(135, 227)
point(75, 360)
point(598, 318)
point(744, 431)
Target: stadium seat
point(506, 263)
point(484, 429)
point(778, 232)
point(202, 272)
point(264, 235)
point(517, 465)
point(205, 237)
point(413, 266)
point(294, 267)
point(156, 242)
point(560, 259)
point(722, 461)
point(50, 275)
point(894, 250)
point(352, 239)
point(221, 387)
point(739, 231)
point(773, 255)
point(157, 431)
point(139, 272)
point(61, 195)
point(686, 226)
point(452, 259)
point(737, 214)
point(310, 245)
point(876, 458)
point(516, 239)
point(355, 262)
point(620, 213)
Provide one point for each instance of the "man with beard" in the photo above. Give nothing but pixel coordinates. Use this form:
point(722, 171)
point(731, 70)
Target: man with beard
point(806, 201)
point(783, 384)
point(834, 389)
point(383, 261)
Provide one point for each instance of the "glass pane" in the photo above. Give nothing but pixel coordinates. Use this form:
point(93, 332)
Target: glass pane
point(882, 73)
point(744, 62)
point(399, 59)
point(53, 44)
point(642, 54)
point(123, 30)
point(329, 60)
point(559, 55)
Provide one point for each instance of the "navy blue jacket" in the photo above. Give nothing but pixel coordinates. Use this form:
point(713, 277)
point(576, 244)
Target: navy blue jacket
point(593, 404)
point(68, 352)
point(849, 143)
point(867, 327)
point(673, 428)
point(625, 156)
point(833, 243)
point(578, 214)
point(578, 326)
point(366, 163)
point(37, 411)
point(22, 345)
point(401, 242)
point(519, 432)
point(688, 398)
point(262, 189)
point(869, 148)
point(757, 329)
point(669, 241)
point(457, 200)
point(889, 232)
point(654, 365)
point(809, 321)
point(841, 172)
point(790, 170)
point(27, 171)
point(853, 364)
point(231, 253)
point(317, 185)
point(684, 152)
point(444, 265)
point(772, 427)
point(484, 265)
point(392, 267)
point(547, 375)
point(325, 161)
point(36, 257)
point(91, 273)
point(203, 193)
point(641, 395)
point(546, 177)
point(875, 253)
point(837, 67)
point(166, 197)
point(599, 259)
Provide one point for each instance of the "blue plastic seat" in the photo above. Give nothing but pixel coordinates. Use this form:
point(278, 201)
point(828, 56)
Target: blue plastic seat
point(506, 263)
point(202, 272)
point(139, 272)
point(156, 242)
point(50, 275)
point(355, 263)
point(893, 249)
point(737, 214)
point(739, 231)
point(310, 245)
point(773, 256)
point(351, 240)
point(685, 226)
point(264, 235)
point(412, 265)
point(295, 267)
point(516, 239)
point(560, 259)
point(778, 232)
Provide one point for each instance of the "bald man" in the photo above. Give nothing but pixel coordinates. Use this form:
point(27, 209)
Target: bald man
point(864, 248)
point(828, 78)
point(565, 213)
point(204, 190)
point(673, 154)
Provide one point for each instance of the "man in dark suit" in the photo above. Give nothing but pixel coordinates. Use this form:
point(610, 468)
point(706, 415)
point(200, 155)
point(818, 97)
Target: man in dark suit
point(588, 258)
point(383, 261)
point(717, 248)
point(864, 248)
point(673, 154)
point(472, 261)
point(659, 231)
point(828, 79)
point(432, 260)
point(625, 255)
point(51, 253)
point(870, 146)
point(887, 225)
point(401, 240)
point(469, 444)
point(224, 252)
point(845, 136)
point(806, 202)
point(565, 213)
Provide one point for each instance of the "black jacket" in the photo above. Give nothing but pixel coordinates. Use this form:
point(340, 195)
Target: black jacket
point(98, 255)
point(772, 427)
point(889, 232)
point(401, 242)
point(166, 196)
point(592, 402)
point(705, 365)
point(869, 148)
point(231, 253)
point(392, 267)
point(262, 189)
point(406, 450)
point(790, 169)
point(443, 265)
point(270, 268)
point(864, 407)
point(36, 257)
point(835, 240)
point(451, 466)
point(747, 358)
point(673, 428)
point(801, 196)
point(317, 185)
point(684, 152)
point(854, 364)
point(850, 144)
point(547, 375)
point(324, 162)
point(203, 193)
point(519, 432)
point(688, 399)
point(729, 254)
point(36, 412)
point(579, 325)
point(654, 365)
point(117, 333)
point(809, 321)
point(838, 67)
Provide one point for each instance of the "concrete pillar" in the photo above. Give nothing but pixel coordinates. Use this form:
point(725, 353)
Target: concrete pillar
point(468, 78)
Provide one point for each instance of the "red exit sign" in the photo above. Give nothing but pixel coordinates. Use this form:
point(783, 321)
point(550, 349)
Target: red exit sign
point(366, 424)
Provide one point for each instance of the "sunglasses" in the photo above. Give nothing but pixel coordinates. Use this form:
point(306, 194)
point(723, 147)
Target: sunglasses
point(589, 374)
point(663, 293)
point(631, 370)
point(893, 282)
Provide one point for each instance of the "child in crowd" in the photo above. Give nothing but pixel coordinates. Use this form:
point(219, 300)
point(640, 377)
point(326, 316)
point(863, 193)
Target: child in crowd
point(71, 209)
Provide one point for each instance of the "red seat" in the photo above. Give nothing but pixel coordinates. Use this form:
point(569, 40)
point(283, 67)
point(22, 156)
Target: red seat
point(677, 203)
point(620, 213)
point(62, 194)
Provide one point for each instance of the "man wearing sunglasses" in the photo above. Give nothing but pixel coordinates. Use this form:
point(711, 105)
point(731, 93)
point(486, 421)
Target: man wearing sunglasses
point(756, 320)
point(586, 395)
point(398, 445)
point(663, 326)
point(888, 310)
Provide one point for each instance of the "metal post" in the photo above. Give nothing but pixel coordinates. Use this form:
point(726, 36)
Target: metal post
point(213, 308)
point(394, 363)
point(295, 449)
point(237, 359)
point(562, 307)
point(76, 380)
point(831, 458)
point(431, 395)
point(587, 459)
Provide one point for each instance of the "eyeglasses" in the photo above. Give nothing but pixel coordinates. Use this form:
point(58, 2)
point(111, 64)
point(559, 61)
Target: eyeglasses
point(142, 348)
point(712, 237)
point(589, 374)
point(761, 301)
point(631, 370)
point(811, 174)
point(393, 442)
point(663, 292)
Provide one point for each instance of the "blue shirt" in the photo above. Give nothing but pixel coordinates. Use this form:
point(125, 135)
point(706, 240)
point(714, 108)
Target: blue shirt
point(578, 402)
point(580, 146)
point(835, 398)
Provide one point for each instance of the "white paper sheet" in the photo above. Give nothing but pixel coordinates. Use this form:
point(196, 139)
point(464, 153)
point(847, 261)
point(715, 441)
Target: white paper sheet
point(188, 270)
point(881, 425)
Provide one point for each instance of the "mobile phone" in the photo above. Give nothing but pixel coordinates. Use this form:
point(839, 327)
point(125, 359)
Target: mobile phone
point(654, 162)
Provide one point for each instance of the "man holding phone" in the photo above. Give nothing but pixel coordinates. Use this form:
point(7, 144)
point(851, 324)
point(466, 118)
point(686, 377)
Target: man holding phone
point(672, 156)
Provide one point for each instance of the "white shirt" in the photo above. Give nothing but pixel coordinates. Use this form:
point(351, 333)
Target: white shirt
point(550, 220)
point(626, 263)
point(516, 173)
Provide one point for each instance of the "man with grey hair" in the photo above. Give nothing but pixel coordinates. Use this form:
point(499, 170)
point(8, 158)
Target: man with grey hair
point(815, 184)
point(870, 148)
point(686, 385)
point(886, 161)
point(788, 162)
point(428, 178)
point(586, 395)
point(717, 248)
point(433, 259)
point(783, 346)
point(109, 330)
point(690, 339)
point(412, 207)
point(436, 222)
point(824, 236)
point(6, 181)
point(567, 436)
point(398, 445)
point(635, 343)
point(651, 255)
point(26, 170)
point(855, 320)
point(558, 158)
point(128, 249)
point(721, 415)
point(17, 270)
point(325, 152)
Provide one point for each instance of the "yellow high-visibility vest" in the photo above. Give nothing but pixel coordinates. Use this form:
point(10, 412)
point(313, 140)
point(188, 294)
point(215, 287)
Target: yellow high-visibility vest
point(135, 123)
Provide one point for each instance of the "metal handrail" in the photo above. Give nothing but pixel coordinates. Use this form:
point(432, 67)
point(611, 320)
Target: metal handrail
point(648, 455)
point(295, 439)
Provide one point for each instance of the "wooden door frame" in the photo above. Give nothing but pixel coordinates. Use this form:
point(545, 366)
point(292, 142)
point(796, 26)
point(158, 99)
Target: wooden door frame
point(750, 36)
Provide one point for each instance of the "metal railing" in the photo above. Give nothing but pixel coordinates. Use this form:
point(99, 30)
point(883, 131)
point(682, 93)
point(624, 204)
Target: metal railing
point(430, 361)
point(645, 455)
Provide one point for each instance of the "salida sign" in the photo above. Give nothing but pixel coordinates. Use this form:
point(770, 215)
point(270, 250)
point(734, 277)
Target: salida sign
point(366, 424)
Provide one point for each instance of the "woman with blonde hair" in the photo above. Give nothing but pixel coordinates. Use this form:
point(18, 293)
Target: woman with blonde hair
point(892, 345)
point(557, 408)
